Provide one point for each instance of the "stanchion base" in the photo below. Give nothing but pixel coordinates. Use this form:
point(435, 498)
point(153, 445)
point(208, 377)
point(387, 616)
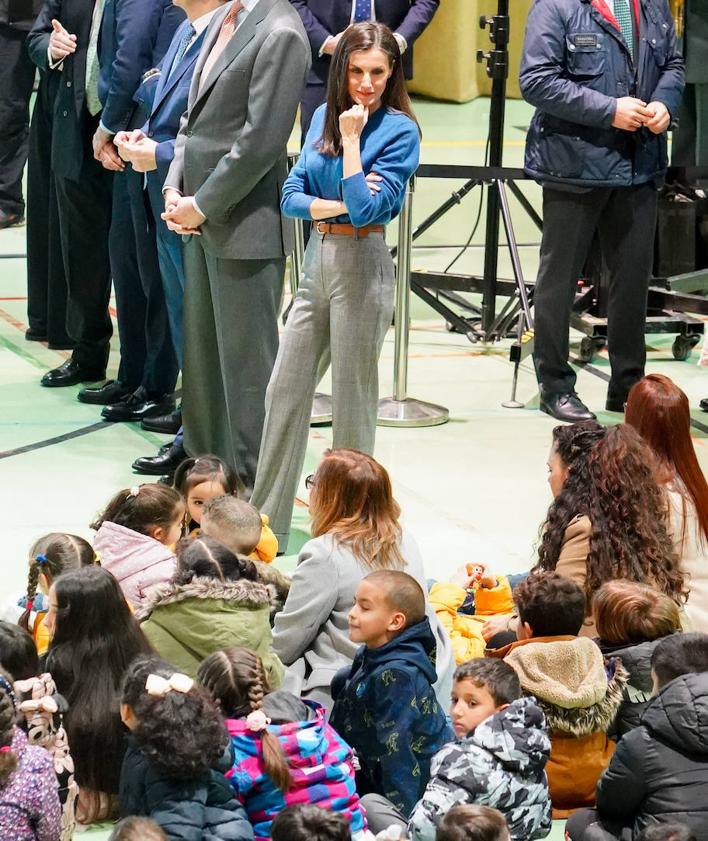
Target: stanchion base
point(410, 412)
point(513, 404)
point(321, 410)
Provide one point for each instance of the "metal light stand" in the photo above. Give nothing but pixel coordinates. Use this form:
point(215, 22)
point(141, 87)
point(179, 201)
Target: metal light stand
point(401, 410)
point(322, 403)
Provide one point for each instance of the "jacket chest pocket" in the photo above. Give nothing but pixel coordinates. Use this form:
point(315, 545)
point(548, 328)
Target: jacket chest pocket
point(586, 54)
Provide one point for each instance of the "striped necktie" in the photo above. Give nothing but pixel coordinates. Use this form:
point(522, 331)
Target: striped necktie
point(228, 27)
point(189, 33)
point(626, 23)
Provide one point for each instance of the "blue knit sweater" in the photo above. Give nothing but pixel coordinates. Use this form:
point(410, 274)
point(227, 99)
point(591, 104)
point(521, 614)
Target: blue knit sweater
point(390, 147)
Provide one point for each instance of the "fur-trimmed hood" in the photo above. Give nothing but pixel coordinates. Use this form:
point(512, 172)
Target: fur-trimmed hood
point(243, 592)
point(577, 689)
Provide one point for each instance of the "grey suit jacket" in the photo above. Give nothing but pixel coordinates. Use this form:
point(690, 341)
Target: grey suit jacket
point(230, 153)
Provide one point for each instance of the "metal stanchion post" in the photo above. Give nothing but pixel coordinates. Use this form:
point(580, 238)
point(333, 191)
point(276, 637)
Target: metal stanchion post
point(401, 410)
point(322, 403)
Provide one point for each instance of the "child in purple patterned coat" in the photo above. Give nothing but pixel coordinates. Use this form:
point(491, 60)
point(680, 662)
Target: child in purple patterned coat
point(29, 802)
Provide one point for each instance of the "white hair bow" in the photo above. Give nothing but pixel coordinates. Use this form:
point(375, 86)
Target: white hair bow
point(159, 687)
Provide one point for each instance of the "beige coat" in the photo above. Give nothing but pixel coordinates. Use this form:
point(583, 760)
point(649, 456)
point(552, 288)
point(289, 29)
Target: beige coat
point(692, 549)
point(572, 562)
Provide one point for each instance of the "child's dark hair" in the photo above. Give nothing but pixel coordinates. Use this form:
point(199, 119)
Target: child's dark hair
point(680, 654)
point(18, 653)
point(496, 676)
point(552, 605)
point(236, 680)
point(138, 829)
point(204, 557)
point(234, 522)
point(142, 508)
point(208, 468)
point(630, 612)
point(50, 556)
point(402, 593)
point(307, 822)
point(180, 732)
point(467, 822)
point(8, 715)
point(666, 832)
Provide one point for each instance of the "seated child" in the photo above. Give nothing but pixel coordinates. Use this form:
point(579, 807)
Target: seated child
point(578, 691)
point(177, 739)
point(307, 822)
point(137, 829)
point(492, 596)
point(238, 525)
point(660, 769)
point(284, 750)
point(207, 477)
point(135, 537)
point(384, 704)
point(49, 557)
point(213, 601)
point(29, 803)
point(498, 758)
point(631, 619)
point(41, 716)
point(472, 823)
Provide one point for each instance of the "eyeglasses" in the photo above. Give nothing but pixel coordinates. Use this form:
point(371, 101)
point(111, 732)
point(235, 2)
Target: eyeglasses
point(310, 482)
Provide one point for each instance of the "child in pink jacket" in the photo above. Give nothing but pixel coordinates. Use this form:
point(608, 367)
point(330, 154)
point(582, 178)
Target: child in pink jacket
point(135, 537)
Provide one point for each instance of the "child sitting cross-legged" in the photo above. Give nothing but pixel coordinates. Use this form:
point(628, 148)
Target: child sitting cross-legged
point(384, 704)
point(177, 741)
point(472, 823)
point(660, 769)
point(497, 759)
point(577, 689)
point(631, 620)
point(284, 752)
point(310, 823)
point(137, 829)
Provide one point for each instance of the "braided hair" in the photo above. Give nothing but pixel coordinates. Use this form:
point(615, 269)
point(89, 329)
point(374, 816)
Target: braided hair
point(237, 680)
point(50, 556)
point(8, 716)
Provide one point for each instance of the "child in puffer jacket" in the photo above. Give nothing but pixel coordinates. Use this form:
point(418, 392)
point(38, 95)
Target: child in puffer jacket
point(168, 773)
point(284, 751)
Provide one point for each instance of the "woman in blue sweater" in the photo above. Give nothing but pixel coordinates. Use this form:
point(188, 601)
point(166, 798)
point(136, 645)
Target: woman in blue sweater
point(361, 149)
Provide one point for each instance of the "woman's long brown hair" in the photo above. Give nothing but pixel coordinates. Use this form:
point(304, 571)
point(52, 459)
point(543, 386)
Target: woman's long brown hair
point(659, 411)
point(352, 500)
point(357, 37)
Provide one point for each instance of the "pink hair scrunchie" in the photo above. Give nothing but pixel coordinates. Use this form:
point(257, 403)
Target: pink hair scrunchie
point(257, 721)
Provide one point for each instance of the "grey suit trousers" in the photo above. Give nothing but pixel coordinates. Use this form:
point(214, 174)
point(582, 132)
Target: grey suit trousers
point(230, 345)
point(342, 309)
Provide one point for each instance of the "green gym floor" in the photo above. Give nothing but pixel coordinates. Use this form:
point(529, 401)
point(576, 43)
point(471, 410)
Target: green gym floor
point(473, 489)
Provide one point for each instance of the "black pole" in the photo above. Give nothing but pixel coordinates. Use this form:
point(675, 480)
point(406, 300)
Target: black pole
point(498, 70)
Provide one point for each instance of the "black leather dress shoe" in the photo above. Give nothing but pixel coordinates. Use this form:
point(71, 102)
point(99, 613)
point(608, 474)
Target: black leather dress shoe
point(105, 395)
point(565, 407)
point(704, 404)
point(164, 464)
point(9, 220)
point(137, 406)
point(614, 405)
point(71, 373)
point(165, 424)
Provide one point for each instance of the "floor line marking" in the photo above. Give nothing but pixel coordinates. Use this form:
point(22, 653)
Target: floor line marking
point(57, 439)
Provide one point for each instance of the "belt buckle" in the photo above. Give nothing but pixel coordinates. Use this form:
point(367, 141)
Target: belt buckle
point(321, 230)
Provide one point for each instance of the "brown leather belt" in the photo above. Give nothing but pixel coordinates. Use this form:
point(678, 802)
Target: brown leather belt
point(344, 230)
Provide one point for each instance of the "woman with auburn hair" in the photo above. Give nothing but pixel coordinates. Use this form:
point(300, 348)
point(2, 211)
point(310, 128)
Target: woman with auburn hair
point(361, 149)
point(631, 619)
point(659, 411)
point(355, 530)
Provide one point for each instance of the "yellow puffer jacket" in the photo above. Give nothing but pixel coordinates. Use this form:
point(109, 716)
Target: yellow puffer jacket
point(466, 631)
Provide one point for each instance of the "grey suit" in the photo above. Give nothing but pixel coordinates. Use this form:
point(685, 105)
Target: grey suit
point(230, 154)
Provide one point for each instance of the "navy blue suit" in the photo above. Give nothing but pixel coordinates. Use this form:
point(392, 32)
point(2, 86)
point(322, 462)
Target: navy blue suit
point(134, 37)
point(323, 18)
point(169, 102)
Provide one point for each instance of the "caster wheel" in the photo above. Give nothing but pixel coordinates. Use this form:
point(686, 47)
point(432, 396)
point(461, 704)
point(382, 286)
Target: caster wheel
point(682, 347)
point(587, 349)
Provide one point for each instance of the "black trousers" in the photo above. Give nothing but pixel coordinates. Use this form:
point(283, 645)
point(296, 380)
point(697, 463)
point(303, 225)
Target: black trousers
point(313, 96)
point(625, 219)
point(16, 80)
point(46, 283)
point(84, 222)
point(147, 355)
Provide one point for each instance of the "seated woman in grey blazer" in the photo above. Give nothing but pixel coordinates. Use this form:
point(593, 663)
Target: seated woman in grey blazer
point(356, 530)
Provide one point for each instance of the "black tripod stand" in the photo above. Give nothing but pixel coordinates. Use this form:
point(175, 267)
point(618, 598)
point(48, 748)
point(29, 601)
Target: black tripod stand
point(486, 324)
